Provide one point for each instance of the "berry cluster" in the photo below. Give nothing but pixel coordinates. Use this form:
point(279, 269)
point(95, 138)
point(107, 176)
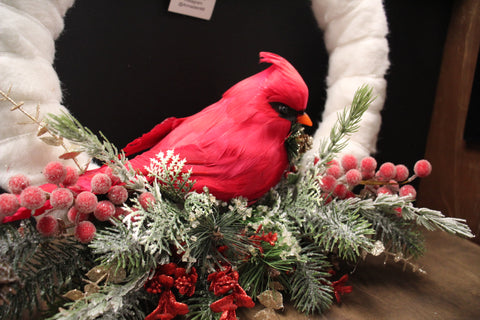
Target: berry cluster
point(102, 202)
point(342, 176)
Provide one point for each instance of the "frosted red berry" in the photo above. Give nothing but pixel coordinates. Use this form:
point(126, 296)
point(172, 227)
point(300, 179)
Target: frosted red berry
point(85, 231)
point(146, 200)
point(328, 183)
point(353, 177)
point(422, 168)
point(384, 190)
point(101, 183)
point(117, 195)
point(368, 164)
point(55, 172)
point(334, 171)
point(387, 171)
point(86, 202)
point(74, 216)
point(71, 177)
point(8, 204)
point(401, 172)
point(408, 191)
point(340, 191)
point(47, 226)
point(109, 172)
point(120, 212)
point(61, 198)
point(349, 161)
point(17, 183)
point(366, 175)
point(33, 198)
point(104, 210)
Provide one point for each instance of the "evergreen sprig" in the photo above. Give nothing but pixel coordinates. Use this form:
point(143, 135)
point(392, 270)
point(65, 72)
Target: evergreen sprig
point(68, 127)
point(112, 302)
point(310, 288)
point(347, 123)
point(46, 267)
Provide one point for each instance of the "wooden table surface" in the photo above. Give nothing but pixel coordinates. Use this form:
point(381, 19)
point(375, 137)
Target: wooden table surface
point(450, 290)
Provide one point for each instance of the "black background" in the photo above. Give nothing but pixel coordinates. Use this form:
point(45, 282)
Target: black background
point(126, 65)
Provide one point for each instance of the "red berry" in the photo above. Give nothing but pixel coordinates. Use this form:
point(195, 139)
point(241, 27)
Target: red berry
point(32, 198)
point(118, 195)
point(74, 216)
point(55, 172)
point(402, 172)
point(340, 191)
point(104, 210)
point(408, 191)
point(120, 212)
point(47, 226)
point(109, 172)
point(353, 177)
point(384, 190)
point(17, 183)
point(71, 177)
point(368, 164)
point(85, 231)
point(328, 183)
point(101, 183)
point(387, 171)
point(61, 198)
point(349, 161)
point(422, 168)
point(334, 171)
point(8, 204)
point(366, 175)
point(86, 202)
point(146, 200)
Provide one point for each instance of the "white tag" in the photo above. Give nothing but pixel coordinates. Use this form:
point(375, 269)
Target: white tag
point(202, 9)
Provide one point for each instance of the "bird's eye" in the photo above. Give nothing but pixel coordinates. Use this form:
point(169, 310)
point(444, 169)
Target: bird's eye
point(284, 111)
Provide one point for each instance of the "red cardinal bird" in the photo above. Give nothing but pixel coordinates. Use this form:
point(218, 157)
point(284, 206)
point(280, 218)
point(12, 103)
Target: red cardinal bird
point(236, 146)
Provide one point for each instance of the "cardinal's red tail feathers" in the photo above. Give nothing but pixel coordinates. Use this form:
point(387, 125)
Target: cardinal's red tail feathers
point(151, 138)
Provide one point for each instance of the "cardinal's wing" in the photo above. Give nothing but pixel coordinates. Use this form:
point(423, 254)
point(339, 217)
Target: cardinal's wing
point(151, 138)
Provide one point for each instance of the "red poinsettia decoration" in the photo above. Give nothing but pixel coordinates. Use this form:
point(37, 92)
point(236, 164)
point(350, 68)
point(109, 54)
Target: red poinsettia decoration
point(166, 277)
point(257, 239)
point(225, 281)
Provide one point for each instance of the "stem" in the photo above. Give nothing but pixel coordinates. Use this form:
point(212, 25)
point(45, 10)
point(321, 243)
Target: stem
point(18, 106)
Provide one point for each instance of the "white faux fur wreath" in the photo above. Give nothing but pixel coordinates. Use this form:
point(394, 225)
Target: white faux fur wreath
point(28, 29)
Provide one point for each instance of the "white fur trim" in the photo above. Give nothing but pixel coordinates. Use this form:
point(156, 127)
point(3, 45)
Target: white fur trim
point(355, 37)
point(28, 29)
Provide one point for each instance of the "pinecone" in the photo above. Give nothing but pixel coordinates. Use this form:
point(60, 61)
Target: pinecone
point(8, 279)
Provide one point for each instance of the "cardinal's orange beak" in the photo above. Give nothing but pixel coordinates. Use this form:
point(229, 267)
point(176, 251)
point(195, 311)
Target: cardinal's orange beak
point(304, 119)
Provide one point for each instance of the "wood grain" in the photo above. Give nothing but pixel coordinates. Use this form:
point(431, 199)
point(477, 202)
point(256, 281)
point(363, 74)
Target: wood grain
point(450, 289)
point(454, 186)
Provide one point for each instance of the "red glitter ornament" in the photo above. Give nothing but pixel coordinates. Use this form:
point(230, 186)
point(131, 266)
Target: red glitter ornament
point(104, 210)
